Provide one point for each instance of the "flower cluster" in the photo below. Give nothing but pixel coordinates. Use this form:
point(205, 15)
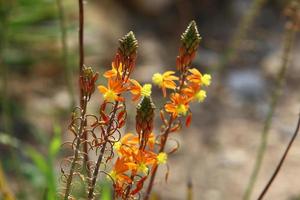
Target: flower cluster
point(137, 155)
point(188, 87)
point(118, 77)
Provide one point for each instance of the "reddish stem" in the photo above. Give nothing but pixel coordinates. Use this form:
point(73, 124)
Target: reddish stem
point(275, 173)
point(81, 65)
point(162, 148)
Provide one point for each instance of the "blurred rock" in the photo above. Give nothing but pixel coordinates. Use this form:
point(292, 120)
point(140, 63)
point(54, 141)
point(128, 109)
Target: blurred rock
point(247, 85)
point(233, 158)
point(61, 100)
point(272, 63)
point(207, 58)
point(151, 7)
point(239, 7)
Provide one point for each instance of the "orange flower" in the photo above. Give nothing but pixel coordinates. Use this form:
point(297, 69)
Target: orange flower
point(116, 71)
point(142, 160)
point(195, 92)
point(197, 78)
point(150, 141)
point(113, 91)
point(117, 174)
point(165, 80)
point(178, 106)
point(191, 89)
point(125, 145)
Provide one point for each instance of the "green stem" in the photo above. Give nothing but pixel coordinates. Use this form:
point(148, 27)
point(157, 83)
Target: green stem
point(4, 70)
point(67, 68)
point(288, 44)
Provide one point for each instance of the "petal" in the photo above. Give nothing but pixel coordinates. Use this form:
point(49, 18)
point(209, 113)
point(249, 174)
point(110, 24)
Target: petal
point(102, 89)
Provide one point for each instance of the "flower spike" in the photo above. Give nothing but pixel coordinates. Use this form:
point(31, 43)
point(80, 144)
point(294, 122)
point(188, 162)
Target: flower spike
point(128, 45)
point(144, 120)
point(190, 40)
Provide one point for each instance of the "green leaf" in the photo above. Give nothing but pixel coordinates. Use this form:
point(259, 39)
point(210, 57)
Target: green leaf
point(55, 143)
point(38, 160)
point(106, 192)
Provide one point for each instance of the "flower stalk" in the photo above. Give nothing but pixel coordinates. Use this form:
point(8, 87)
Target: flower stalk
point(190, 40)
point(122, 67)
point(292, 27)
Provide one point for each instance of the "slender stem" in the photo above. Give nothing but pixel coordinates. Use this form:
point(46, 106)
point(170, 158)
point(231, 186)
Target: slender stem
point(67, 68)
point(261, 196)
point(288, 44)
point(189, 190)
point(164, 140)
point(83, 106)
point(76, 151)
point(80, 35)
point(4, 11)
point(162, 148)
point(81, 65)
point(101, 155)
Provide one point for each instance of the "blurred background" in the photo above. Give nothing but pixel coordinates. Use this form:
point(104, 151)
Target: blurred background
point(39, 65)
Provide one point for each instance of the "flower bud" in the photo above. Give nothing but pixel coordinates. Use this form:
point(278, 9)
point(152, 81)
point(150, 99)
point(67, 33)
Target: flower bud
point(144, 119)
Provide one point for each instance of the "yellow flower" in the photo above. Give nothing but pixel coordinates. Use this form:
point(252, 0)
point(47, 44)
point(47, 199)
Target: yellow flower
point(162, 158)
point(110, 95)
point(157, 79)
point(146, 90)
point(181, 109)
point(200, 96)
point(142, 167)
point(117, 145)
point(206, 79)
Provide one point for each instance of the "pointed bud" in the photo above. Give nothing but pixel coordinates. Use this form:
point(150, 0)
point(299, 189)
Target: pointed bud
point(87, 81)
point(144, 119)
point(128, 45)
point(191, 38)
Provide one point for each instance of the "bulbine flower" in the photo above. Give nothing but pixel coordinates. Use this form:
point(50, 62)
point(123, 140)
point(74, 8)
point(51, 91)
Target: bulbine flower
point(139, 91)
point(165, 81)
point(178, 106)
point(162, 158)
point(137, 155)
point(200, 95)
point(197, 78)
point(113, 91)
